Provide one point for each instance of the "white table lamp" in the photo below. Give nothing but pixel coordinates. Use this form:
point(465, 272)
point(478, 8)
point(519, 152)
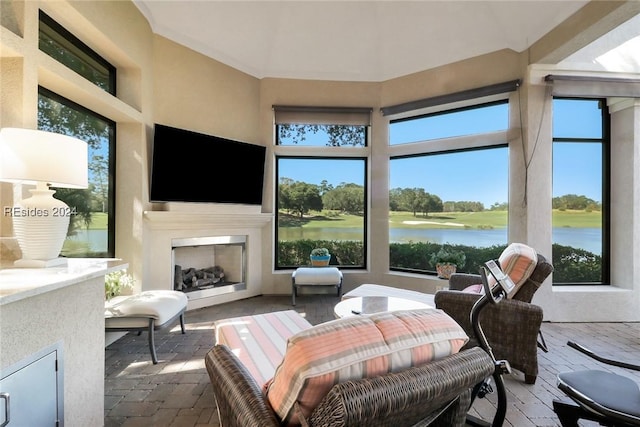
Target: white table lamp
point(45, 159)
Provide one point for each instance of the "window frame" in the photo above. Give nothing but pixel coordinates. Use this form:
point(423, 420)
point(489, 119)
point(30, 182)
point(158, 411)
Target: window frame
point(453, 144)
point(324, 153)
point(444, 112)
point(605, 141)
point(111, 195)
point(70, 42)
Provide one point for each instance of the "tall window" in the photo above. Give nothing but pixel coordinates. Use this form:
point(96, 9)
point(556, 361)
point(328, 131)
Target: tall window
point(321, 195)
point(92, 228)
point(455, 199)
point(580, 167)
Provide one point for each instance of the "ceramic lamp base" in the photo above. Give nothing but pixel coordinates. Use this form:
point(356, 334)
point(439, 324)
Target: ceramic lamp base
point(40, 225)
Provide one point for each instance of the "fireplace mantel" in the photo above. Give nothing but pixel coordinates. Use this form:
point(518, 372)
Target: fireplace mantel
point(197, 220)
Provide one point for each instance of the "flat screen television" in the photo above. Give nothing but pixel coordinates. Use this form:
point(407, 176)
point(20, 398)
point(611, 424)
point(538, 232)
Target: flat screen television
point(188, 166)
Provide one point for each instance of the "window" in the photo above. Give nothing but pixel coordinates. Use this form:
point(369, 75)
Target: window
point(580, 165)
point(92, 228)
point(67, 49)
point(321, 195)
point(322, 126)
point(457, 198)
point(477, 120)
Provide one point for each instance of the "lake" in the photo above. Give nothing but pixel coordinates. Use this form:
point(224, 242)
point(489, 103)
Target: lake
point(585, 238)
point(588, 239)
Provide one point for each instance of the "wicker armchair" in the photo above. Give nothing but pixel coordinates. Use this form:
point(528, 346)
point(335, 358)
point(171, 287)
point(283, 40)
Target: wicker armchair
point(435, 394)
point(512, 327)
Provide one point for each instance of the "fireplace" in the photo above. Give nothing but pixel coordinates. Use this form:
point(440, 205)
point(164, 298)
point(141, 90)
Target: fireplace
point(209, 266)
point(185, 222)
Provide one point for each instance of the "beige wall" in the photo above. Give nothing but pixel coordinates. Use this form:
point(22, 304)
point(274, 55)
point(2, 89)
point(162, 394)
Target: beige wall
point(193, 92)
point(160, 81)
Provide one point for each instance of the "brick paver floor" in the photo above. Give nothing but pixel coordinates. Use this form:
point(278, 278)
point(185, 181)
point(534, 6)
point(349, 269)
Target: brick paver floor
point(176, 392)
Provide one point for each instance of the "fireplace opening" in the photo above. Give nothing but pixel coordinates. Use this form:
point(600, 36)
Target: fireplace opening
point(208, 266)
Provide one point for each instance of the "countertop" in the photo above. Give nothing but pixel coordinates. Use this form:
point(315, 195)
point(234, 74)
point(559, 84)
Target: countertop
point(20, 283)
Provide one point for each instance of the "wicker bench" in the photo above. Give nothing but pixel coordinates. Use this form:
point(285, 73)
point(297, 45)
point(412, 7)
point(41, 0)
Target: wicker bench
point(146, 311)
point(249, 349)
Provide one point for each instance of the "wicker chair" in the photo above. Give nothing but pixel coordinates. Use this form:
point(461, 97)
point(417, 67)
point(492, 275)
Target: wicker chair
point(512, 327)
point(435, 394)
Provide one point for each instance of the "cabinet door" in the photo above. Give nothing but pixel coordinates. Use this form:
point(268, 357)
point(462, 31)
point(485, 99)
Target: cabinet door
point(33, 394)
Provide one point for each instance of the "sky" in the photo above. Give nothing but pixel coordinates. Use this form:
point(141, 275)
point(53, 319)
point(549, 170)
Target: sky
point(479, 175)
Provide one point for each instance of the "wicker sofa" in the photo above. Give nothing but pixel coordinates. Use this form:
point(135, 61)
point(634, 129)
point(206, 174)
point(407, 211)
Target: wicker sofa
point(512, 327)
point(436, 393)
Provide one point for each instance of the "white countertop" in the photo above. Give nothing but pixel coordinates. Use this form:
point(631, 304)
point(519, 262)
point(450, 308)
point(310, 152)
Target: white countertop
point(19, 283)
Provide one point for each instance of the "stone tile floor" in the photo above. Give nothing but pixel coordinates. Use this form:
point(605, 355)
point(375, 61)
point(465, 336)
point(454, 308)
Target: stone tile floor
point(176, 392)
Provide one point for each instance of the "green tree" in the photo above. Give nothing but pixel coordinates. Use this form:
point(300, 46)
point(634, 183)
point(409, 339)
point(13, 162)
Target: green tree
point(99, 168)
point(337, 135)
point(54, 116)
point(79, 202)
point(467, 206)
point(413, 200)
point(433, 203)
point(394, 199)
point(575, 202)
point(348, 198)
point(325, 187)
point(499, 206)
point(299, 197)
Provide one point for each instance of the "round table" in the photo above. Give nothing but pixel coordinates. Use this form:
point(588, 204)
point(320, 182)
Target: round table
point(369, 305)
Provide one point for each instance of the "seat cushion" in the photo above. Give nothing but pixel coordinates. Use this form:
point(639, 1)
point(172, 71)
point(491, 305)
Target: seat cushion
point(134, 311)
point(357, 347)
point(260, 341)
point(518, 262)
point(317, 276)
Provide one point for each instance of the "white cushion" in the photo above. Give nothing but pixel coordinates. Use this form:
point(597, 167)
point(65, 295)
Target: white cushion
point(317, 276)
point(135, 310)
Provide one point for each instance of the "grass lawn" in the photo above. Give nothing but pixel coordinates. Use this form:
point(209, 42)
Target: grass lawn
point(576, 219)
point(98, 221)
point(453, 220)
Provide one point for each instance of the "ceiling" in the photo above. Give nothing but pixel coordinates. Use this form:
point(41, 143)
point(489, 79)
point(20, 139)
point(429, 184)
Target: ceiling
point(358, 40)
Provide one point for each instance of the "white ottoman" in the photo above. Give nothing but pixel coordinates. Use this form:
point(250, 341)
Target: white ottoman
point(315, 276)
point(149, 310)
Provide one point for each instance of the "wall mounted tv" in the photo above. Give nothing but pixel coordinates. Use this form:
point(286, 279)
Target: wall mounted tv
point(188, 166)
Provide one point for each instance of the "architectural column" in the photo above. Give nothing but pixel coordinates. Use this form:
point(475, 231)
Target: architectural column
point(625, 193)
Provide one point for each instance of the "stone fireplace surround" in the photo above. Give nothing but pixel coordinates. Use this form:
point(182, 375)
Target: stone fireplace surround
point(186, 221)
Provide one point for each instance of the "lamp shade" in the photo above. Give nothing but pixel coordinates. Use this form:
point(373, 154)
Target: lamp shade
point(30, 156)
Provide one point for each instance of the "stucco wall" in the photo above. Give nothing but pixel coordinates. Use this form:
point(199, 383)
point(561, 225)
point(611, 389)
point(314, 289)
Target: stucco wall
point(74, 317)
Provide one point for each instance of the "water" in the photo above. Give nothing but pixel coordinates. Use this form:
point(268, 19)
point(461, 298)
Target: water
point(97, 239)
point(588, 239)
point(479, 238)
